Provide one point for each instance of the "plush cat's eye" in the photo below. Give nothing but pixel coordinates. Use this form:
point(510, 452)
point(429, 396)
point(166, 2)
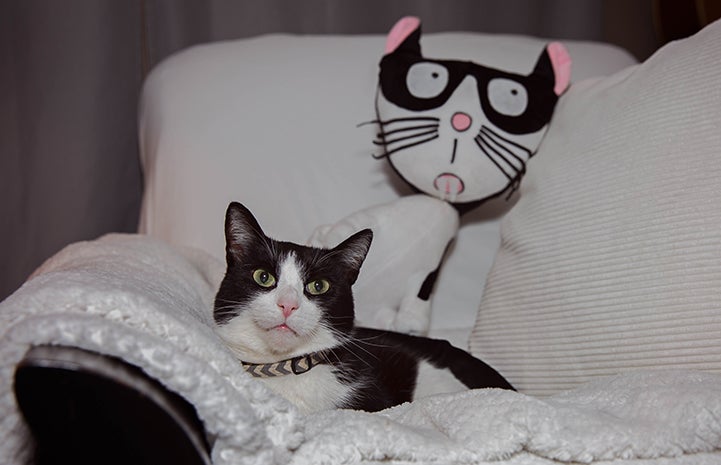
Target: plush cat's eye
point(317, 286)
point(508, 97)
point(263, 278)
point(426, 80)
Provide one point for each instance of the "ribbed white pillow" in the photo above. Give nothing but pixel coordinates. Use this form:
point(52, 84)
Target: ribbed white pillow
point(611, 259)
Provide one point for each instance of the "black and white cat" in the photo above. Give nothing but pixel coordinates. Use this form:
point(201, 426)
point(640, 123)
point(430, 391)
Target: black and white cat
point(286, 312)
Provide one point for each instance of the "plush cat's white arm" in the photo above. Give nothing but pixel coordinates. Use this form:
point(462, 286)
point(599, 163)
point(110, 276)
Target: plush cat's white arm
point(410, 237)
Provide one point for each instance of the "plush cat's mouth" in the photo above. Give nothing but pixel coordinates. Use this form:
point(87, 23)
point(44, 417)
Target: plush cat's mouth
point(449, 186)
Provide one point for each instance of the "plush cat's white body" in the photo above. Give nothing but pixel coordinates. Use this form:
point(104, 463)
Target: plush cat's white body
point(410, 237)
point(459, 132)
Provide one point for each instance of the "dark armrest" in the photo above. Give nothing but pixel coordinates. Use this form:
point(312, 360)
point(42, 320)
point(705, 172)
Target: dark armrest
point(87, 408)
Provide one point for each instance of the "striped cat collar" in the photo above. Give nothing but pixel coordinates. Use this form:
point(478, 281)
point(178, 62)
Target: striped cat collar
point(295, 365)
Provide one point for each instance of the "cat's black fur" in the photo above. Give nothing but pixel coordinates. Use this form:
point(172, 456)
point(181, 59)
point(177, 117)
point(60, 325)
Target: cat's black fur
point(394, 359)
point(378, 368)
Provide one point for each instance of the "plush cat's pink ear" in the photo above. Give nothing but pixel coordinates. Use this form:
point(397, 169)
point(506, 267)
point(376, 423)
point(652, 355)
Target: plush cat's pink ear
point(400, 32)
point(561, 62)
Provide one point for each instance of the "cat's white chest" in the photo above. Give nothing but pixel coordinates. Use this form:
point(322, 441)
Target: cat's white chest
point(317, 389)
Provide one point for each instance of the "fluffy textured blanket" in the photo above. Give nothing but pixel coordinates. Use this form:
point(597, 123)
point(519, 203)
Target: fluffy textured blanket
point(149, 303)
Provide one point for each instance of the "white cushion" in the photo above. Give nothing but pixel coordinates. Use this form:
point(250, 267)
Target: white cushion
point(611, 259)
point(273, 122)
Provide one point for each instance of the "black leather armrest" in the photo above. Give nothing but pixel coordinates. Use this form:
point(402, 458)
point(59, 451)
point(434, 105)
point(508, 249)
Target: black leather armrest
point(87, 408)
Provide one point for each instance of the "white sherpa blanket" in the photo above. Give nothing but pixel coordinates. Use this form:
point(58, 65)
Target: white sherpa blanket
point(150, 304)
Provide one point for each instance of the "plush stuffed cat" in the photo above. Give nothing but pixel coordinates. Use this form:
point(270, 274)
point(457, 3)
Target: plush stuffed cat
point(286, 312)
point(458, 130)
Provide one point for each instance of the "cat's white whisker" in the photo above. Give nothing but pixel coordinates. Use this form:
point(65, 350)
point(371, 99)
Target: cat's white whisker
point(349, 341)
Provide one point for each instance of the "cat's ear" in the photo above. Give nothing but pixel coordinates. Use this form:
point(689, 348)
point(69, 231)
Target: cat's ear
point(405, 36)
point(354, 250)
point(241, 230)
point(554, 64)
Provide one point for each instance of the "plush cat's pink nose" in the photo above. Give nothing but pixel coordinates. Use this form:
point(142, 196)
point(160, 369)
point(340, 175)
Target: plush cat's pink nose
point(460, 121)
point(287, 303)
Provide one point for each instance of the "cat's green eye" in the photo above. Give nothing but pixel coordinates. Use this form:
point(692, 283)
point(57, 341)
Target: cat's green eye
point(263, 278)
point(317, 286)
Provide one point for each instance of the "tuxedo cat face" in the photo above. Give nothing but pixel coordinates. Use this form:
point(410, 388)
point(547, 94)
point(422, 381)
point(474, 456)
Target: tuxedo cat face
point(280, 300)
point(458, 130)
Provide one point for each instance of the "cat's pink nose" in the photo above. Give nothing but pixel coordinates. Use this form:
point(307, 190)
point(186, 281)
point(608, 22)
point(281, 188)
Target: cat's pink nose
point(287, 302)
point(287, 306)
point(460, 121)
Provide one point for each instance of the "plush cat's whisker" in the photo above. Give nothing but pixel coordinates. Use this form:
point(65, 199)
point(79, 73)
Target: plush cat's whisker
point(492, 156)
point(405, 138)
point(405, 119)
point(503, 151)
point(508, 156)
point(384, 134)
point(499, 139)
point(388, 153)
point(499, 158)
point(402, 126)
point(397, 125)
point(515, 180)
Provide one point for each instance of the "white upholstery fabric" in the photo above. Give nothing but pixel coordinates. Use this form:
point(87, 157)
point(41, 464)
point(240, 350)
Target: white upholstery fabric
point(139, 299)
point(611, 259)
point(272, 122)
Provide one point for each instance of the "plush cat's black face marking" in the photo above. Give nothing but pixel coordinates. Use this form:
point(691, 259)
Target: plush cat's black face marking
point(512, 103)
point(283, 299)
point(458, 130)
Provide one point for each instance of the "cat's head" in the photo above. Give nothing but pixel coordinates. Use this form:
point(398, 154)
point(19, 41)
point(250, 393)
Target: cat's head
point(281, 299)
point(458, 130)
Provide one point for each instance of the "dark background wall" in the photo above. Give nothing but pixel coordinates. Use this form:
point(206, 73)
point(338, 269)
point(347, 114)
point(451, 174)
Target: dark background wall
point(71, 73)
